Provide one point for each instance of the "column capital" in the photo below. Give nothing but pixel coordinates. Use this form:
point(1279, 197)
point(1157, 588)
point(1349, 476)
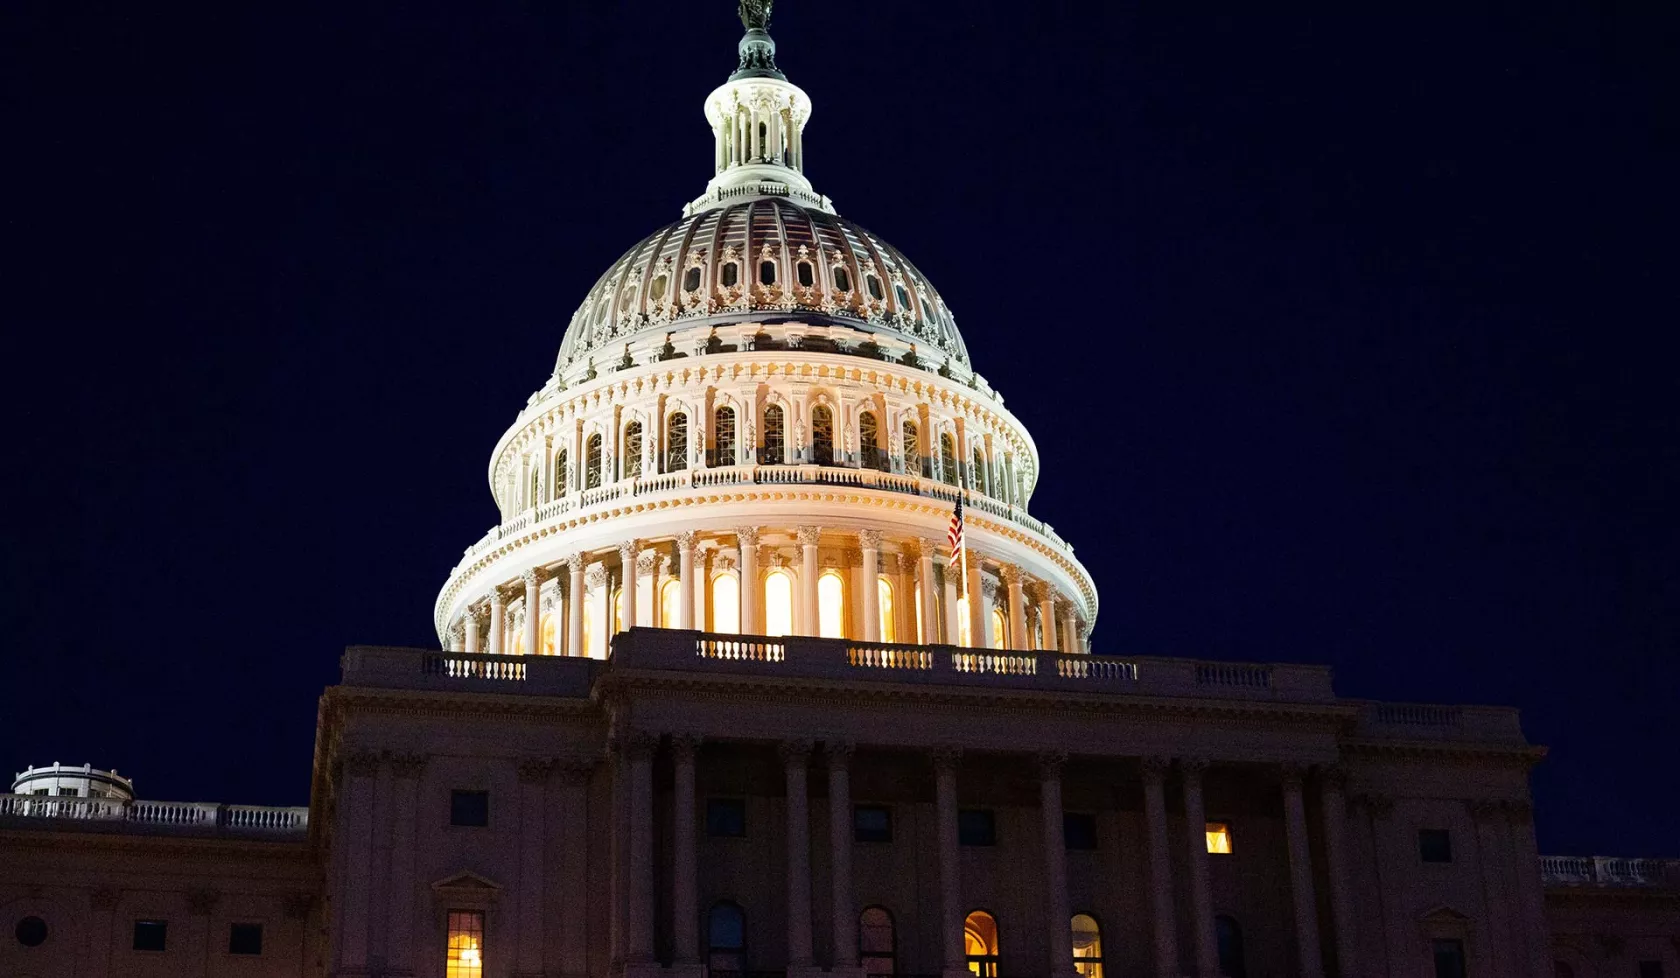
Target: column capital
point(596, 576)
point(1010, 574)
point(686, 540)
point(839, 753)
point(809, 535)
point(535, 770)
point(946, 758)
point(646, 561)
point(1155, 768)
point(405, 764)
point(1293, 776)
point(685, 746)
point(1333, 777)
point(869, 539)
point(1192, 767)
point(627, 552)
point(794, 753)
point(1036, 592)
point(532, 577)
point(929, 547)
point(1050, 764)
point(633, 744)
point(747, 536)
point(575, 563)
point(496, 596)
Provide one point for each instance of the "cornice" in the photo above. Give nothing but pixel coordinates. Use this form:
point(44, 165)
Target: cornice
point(1524, 755)
point(56, 838)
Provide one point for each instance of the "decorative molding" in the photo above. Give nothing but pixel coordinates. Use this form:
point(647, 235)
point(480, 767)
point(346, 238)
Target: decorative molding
point(1155, 768)
point(808, 535)
point(686, 540)
point(532, 577)
point(946, 758)
point(685, 746)
point(794, 753)
point(405, 764)
point(869, 540)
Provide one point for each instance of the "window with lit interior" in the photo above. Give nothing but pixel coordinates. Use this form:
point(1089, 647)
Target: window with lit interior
point(831, 605)
point(670, 603)
point(822, 435)
point(726, 604)
point(1219, 838)
point(723, 436)
point(877, 942)
point(1000, 630)
point(884, 601)
point(1087, 946)
point(466, 944)
point(775, 436)
point(632, 450)
point(980, 943)
point(676, 442)
point(778, 603)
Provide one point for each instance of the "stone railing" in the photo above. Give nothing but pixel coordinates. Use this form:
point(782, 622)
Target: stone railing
point(189, 817)
point(1429, 721)
point(765, 475)
point(1608, 871)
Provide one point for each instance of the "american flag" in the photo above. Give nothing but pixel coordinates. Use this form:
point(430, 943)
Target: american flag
point(955, 534)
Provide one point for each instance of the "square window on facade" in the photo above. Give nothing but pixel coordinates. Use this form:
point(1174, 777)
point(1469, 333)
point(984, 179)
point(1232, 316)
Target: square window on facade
point(977, 827)
point(1435, 845)
point(1079, 830)
point(1650, 969)
point(245, 939)
point(151, 935)
point(726, 818)
point(872, 823)
point(1219, 838)
point(469, 808)
point(1449, 959)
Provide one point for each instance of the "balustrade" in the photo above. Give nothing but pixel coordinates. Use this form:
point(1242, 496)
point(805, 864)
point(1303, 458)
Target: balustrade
point(1228, 674)
point(186, 816)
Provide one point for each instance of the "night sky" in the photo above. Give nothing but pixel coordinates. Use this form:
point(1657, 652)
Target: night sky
point(1345, 333)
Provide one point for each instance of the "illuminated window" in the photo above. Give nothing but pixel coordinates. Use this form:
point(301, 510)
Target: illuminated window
point(592, 462)
point(778, 603)
point(1000, 630)
point(670, 598)
point(726, 604)
point(1233, 963)
point(466, 944)
point(948, 460)
point(656, 291)
point(822, 435)
point(877, 943)
point(551, 634)
point(588, 628)
point(869, 437)
point(889, 627)
point(726, 938)
point(914, 464)
point(560, 474)
point(980, 944)
point(775, 437)
point(831, 606)
point(1219, 838)
point(618, 610)
point(676, 442)
point(632, 450)
point(1087, 946)
point(723, 436)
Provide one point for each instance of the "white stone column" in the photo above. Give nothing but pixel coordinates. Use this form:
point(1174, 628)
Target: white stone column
point(574, 606)
point(752, 589)
point(953, 958)
point(978, 630)
point(533, 611)
point(498, 622)
point(533, 788)
point(638, 917)
point(1017, 610)
point(685, 571)
point(1160, 865)
point(469, 626)
point(843, 902)
point(628, 551)
point(1047, 616)
point(597, 580)
point(796, 757)
point(1055, 865)
point(953, 612)
point(808, 536)
point(1332, 788)
point(1310, 959)
point(930, 600)
point(1205, 938)
point(869, 541)
point(685, 912)
point(401, 939)
point(456, 643)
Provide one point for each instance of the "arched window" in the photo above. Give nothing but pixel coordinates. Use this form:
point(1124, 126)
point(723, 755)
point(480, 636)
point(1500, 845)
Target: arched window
point(1230, 936)
point(691, 279)
point(676, 442)
point(775, 436)
point(1087, 946)
point(767, 273)
point(656, 291)
point(877, 942)
point(980, 944)
point(889, 626)
point(726, 938)
point(1000, 629)
point(831, 605)
point(913, 462)
point(535, 488)
point(977, 474)
point(869, 439)
point(948, 459)
point(670, 598)
point(550, 637)
point(560, 474)
point(842, 278)
point(592, 462)
point(632, 449)
point(873, 284)
point(822, 435)
point(731, 274)
point(723, 436)
point(726, 604)
point(778, 603)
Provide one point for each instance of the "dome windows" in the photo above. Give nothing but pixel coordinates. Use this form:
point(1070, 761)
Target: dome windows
point(661, 282)
point(842, 278)
point(592, 462)
point(767, 272)
point(632, 450)
point(731, 274)
point(831, 605)
point(948, 459)
point(775, 436)
point(676, 442)
point(903, 299)
point(873, 284)
point(691, 279)
point(869, 442)
point(723, 434)
point(822, 435)
point(806, 274)
point(560, 474)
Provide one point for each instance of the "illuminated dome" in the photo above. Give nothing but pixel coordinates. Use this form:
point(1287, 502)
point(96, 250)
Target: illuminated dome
point(760, 421)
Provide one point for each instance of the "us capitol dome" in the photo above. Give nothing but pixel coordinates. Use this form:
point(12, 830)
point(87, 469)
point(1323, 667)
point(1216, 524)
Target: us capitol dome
point(760, 421)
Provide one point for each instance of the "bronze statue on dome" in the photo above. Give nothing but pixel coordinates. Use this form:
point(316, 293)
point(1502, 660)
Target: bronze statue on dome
point(755, 14)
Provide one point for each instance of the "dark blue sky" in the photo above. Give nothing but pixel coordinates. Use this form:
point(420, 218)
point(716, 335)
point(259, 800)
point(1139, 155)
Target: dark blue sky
point(1345, 333)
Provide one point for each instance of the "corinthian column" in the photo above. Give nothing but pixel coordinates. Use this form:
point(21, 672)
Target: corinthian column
point(469, 626)
point(869, 541)
point(574, 606)
point(1055, 865)
point(533, 610)
point(1047, 616)
point(498, 621)
point(747, 540)
point(1300, 875)
point(685, 912)
point(627, 553)
point(808, 536)
point(1017, 608)
point(685, 570)
point(841, 899)
point(954, 959)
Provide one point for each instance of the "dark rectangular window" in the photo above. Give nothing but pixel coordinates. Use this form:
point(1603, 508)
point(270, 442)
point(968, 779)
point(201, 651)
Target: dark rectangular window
point(1449, 959)
point(245, 939)
point(471, 808)
point(1079, 830)
point(151, 935)
point(872, 823)
point(1650, 969)
point(1435, 845)
point(977, 827)
point(726, 818)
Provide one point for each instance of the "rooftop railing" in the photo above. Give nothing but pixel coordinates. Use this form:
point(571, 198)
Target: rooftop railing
point(169, 816)
point(1608, 871)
